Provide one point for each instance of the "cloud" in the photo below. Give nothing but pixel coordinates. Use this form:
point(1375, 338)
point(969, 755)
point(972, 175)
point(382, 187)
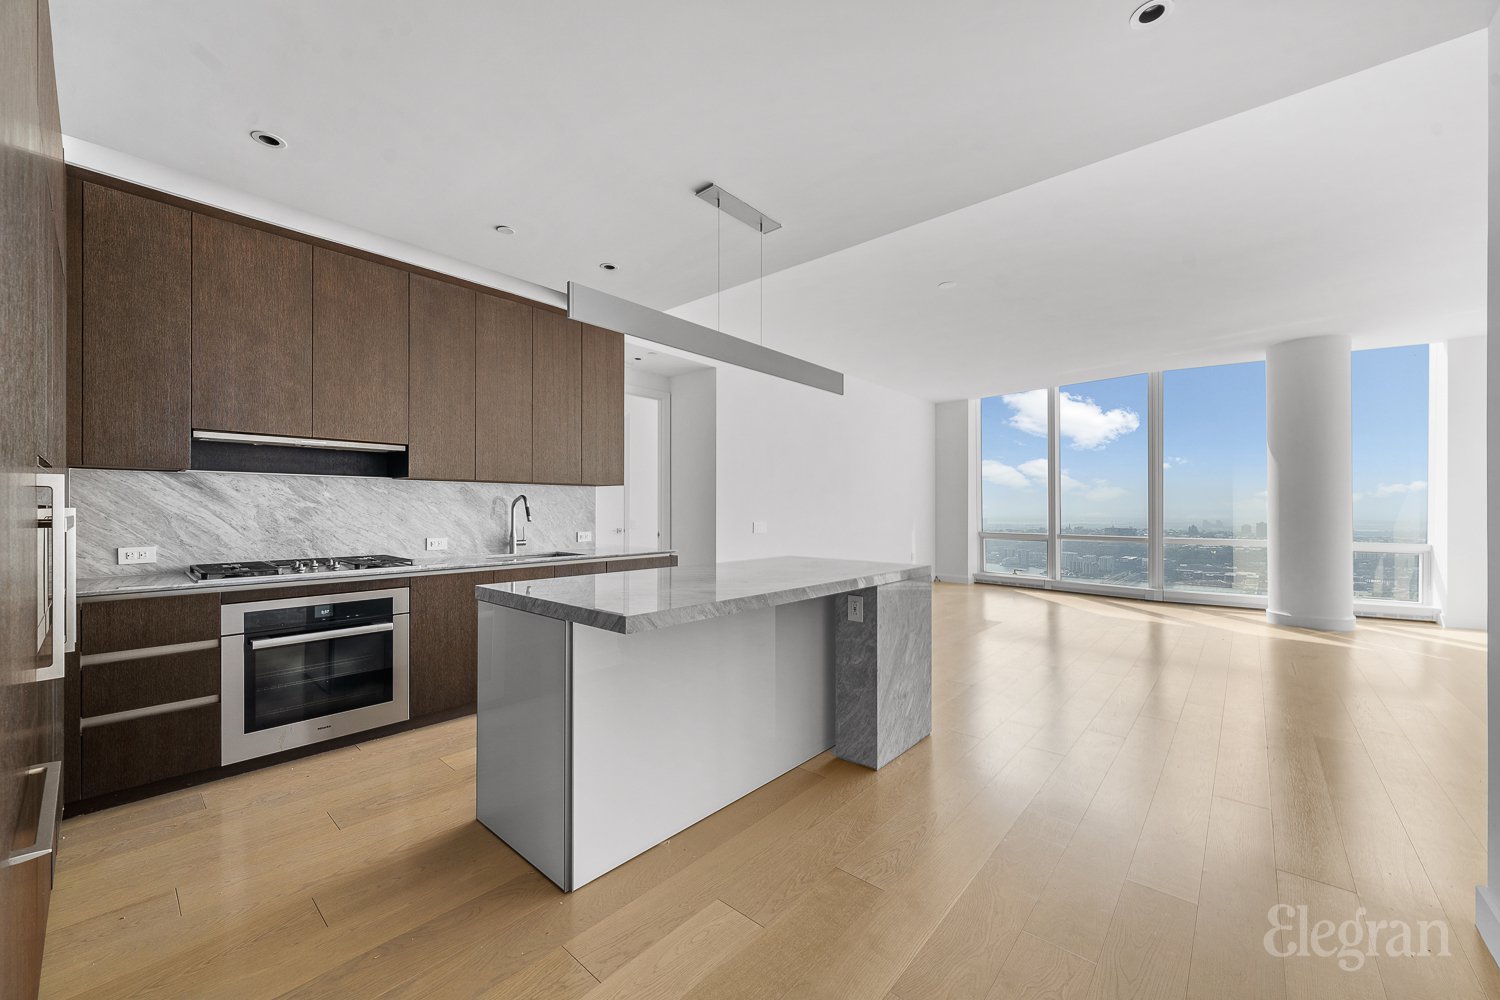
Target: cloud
point(1172, 460)
point(1088, 426)
point(1392, 490)
point(999, 474)
point(1035, 469)
point(1028, 411)
point(1102, 490)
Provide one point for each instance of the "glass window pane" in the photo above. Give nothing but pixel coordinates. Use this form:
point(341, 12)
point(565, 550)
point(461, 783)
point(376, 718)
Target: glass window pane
point(1390, 444)
point(1104, 456)
point(1388, 576)
point(1214, 453)
point(1123, 564)
point(1015, 556)
point(1239, 569)
point(1013, 461)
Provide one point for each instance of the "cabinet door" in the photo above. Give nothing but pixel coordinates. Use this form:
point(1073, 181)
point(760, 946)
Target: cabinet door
point(603, 412)
point(252, 330)
point(138, 751)
point(444, 642)
point(136, 331)
point(359, 349)
point(441, 440)
point(556, 431)
point(502, 405)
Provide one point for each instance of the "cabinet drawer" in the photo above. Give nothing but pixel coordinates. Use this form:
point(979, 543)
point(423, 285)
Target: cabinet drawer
point(649, 562)
point(106, 688)
point(524, 573)
point(143, 622)
point(139, 751)
point(579, 569)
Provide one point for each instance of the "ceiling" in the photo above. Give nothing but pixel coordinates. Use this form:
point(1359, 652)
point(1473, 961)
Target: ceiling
point(1359, 207)
point(1103, 195)
point(587, 127)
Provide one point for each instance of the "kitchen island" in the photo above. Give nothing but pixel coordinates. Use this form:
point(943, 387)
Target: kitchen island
point(616, 711)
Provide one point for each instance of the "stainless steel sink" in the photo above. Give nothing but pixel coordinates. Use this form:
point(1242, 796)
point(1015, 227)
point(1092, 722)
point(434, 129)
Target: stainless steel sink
point(534, 556)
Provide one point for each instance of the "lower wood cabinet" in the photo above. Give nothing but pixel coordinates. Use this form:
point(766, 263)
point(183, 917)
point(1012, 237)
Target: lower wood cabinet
point(138, 751)
point(444, 648)
point(581, 568)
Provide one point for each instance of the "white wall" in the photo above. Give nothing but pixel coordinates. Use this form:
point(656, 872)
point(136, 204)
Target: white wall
point(1487, 904)
point(846, 476)
point(1456, 477)
point(694, 459)
point(956, 551)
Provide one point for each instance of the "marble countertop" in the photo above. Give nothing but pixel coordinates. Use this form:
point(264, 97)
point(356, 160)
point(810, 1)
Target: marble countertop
point(645, 599)
point(175, 581)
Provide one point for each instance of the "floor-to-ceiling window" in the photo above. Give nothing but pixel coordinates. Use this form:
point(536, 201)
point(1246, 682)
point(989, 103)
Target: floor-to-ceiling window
point(1214, 479)
point(1389, 389)
point(1157, 482)
point(1103, 481)
point(1014, 504)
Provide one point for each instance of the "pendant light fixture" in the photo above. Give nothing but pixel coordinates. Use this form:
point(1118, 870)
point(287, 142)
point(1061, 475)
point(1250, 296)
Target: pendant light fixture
point(589, 305)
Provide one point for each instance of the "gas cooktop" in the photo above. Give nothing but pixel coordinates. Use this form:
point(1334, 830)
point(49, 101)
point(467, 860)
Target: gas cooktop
point(292, 567)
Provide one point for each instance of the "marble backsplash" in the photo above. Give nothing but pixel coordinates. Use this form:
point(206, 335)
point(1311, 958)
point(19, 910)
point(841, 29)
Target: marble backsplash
point(194, 517)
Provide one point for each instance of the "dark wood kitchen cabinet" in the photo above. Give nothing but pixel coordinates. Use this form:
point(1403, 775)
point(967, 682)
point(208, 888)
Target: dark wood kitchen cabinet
point(441, 439)
point(136, 331)
point(359, 386)
point(502, 406)
point(444, 644)
point(603, 409)
point(252, 330)
point(556, 399)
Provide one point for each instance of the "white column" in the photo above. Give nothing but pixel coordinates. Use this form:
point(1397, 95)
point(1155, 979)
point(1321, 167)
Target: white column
point(1308, 440)
point(956, 462)
point(1456, 481)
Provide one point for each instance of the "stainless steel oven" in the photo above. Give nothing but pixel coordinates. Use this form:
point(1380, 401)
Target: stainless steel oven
point(307, 669)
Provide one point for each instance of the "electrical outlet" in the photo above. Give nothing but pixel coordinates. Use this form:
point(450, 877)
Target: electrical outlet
point(856, 608)
point(135, 554)
point(585, 536)
point(758, 528)
point(437, 545)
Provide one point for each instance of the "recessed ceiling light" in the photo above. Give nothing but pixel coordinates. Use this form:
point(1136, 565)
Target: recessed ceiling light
point(505, 230)
point(945, 285)
point(1149, 13)
point(606, 266)
point(268, 139)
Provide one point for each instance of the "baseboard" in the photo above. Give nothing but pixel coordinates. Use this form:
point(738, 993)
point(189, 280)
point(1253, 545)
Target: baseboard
point(1306, 621)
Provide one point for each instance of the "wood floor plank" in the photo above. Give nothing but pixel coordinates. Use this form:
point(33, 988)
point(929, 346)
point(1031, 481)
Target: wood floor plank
point(1037, 970)
point(1230, 961)
point(1148, 947)
point(672, 966)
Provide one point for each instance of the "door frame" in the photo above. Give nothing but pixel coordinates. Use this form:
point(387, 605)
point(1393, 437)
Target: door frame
point(663, 464)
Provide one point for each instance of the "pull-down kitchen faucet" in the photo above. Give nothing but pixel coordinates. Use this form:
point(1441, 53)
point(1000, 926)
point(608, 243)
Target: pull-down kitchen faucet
point(517, 529)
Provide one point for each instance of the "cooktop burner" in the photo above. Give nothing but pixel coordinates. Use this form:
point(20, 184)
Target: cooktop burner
point(292, 567)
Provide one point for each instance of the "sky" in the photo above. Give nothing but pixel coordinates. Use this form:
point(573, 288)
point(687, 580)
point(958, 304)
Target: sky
point(1214, 450)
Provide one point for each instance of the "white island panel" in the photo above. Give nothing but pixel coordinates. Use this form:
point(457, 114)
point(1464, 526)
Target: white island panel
point(671, 725)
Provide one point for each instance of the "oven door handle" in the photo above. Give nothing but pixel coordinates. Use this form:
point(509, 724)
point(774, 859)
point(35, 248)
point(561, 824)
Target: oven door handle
point(333, 633)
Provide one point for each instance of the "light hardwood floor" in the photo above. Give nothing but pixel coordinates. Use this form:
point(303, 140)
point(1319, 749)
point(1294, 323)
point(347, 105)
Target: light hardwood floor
point(1114, 795)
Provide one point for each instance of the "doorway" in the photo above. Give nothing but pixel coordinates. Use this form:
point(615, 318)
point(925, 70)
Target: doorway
point(637, 516)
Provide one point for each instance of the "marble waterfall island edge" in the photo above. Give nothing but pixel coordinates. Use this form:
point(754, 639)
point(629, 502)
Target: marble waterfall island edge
point(642, 600)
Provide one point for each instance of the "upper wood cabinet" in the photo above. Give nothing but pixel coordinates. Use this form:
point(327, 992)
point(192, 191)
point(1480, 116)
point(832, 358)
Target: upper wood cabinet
point(359, 349)
point(441, 440)
point(136, 331)
point(252, 330)
point(502, 410)
point(556, 399)
point(603, 409)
